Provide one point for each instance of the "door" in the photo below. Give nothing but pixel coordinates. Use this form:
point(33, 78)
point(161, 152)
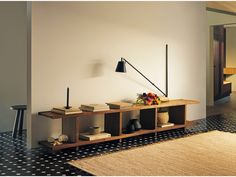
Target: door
point(219, 60)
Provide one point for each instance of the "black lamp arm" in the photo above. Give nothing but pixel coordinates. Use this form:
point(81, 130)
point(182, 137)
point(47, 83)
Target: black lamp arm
point(122, 59)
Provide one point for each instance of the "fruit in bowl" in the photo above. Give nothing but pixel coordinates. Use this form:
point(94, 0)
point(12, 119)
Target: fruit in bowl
point(148, 99)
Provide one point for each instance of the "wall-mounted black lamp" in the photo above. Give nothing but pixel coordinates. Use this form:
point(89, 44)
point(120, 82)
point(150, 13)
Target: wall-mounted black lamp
point(122, 68)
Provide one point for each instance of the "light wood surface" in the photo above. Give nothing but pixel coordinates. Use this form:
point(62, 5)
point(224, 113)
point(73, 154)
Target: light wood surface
point(229, 6)
point(122, 136)
point(170, 103)
point(227, 82)
point(229, 70)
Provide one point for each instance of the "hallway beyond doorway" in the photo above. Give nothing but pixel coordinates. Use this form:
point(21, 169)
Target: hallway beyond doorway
point(223, 107)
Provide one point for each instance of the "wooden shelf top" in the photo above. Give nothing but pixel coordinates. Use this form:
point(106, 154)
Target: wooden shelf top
point(84, 142)
point(227, 82)
point(229, 71)
point(177, 102)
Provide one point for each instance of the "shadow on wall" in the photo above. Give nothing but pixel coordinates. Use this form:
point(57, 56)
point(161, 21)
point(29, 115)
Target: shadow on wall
point(96, 68)
point(144, 84)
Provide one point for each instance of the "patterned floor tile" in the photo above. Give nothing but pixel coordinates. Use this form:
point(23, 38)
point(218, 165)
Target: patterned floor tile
point(17, 160)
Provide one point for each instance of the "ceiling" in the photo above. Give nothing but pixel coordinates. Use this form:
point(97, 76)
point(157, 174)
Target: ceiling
point(228, 6)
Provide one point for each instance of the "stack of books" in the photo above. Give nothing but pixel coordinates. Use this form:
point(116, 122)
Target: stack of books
point(89, 137)
point(94, 107)
point(64, 111)
point(166, 125)
point(119, 105)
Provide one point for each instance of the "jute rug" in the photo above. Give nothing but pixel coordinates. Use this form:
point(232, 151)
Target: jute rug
point(211, 153)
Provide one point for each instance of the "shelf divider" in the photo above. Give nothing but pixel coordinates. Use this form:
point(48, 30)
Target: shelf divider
point(113, 123)
point(177, 114)
point(70, 127)
point(148, 118)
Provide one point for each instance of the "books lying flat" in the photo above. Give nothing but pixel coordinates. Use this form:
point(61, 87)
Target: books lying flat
point(89, 137)
point(64, 111)
point(163, 99)
point(119, 105)
point(94, 107)
point(166, 125)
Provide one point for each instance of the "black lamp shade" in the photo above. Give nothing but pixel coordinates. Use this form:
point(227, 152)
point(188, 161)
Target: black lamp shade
point(121, 67)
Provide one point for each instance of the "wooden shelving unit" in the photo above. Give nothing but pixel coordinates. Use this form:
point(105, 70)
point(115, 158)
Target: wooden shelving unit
point(226, 88)
point(113, 122)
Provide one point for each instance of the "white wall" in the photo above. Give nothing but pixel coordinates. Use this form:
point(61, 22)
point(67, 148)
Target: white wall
point(78, 44)
point(213, 18)
point(13, 60)
point(231, 54)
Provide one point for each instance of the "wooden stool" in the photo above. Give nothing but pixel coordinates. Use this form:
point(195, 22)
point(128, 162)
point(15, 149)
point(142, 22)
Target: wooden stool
point(19, 119)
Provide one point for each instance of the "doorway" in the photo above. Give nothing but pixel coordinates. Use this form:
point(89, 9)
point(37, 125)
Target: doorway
point(223, 55)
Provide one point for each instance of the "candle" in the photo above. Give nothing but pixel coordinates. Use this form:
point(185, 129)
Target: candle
point(67, 98)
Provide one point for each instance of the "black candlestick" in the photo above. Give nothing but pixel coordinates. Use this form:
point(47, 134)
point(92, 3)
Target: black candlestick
point(67, 99)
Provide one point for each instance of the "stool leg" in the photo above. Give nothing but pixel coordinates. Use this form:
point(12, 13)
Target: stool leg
point(21, 122)
point(16, 124)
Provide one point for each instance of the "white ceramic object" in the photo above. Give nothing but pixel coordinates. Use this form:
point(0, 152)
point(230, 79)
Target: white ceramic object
point(63, 138)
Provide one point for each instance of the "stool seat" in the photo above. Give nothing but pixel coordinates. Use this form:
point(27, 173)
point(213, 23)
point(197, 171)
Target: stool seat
point(19, 118)
point(16, 107)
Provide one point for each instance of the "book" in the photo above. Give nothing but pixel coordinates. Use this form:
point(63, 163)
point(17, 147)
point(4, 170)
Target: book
point(166, 125)
point(64, 111)
point(119, 105)
point(163, 99)
point(94, 110)
point(89, 137)
point(94, 107)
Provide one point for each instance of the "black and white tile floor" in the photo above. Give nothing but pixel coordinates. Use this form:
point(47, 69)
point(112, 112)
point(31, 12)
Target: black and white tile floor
point(16, 159)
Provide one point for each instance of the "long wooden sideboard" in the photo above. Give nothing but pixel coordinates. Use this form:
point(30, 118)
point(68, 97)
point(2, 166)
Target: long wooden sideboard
point(113, 122)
